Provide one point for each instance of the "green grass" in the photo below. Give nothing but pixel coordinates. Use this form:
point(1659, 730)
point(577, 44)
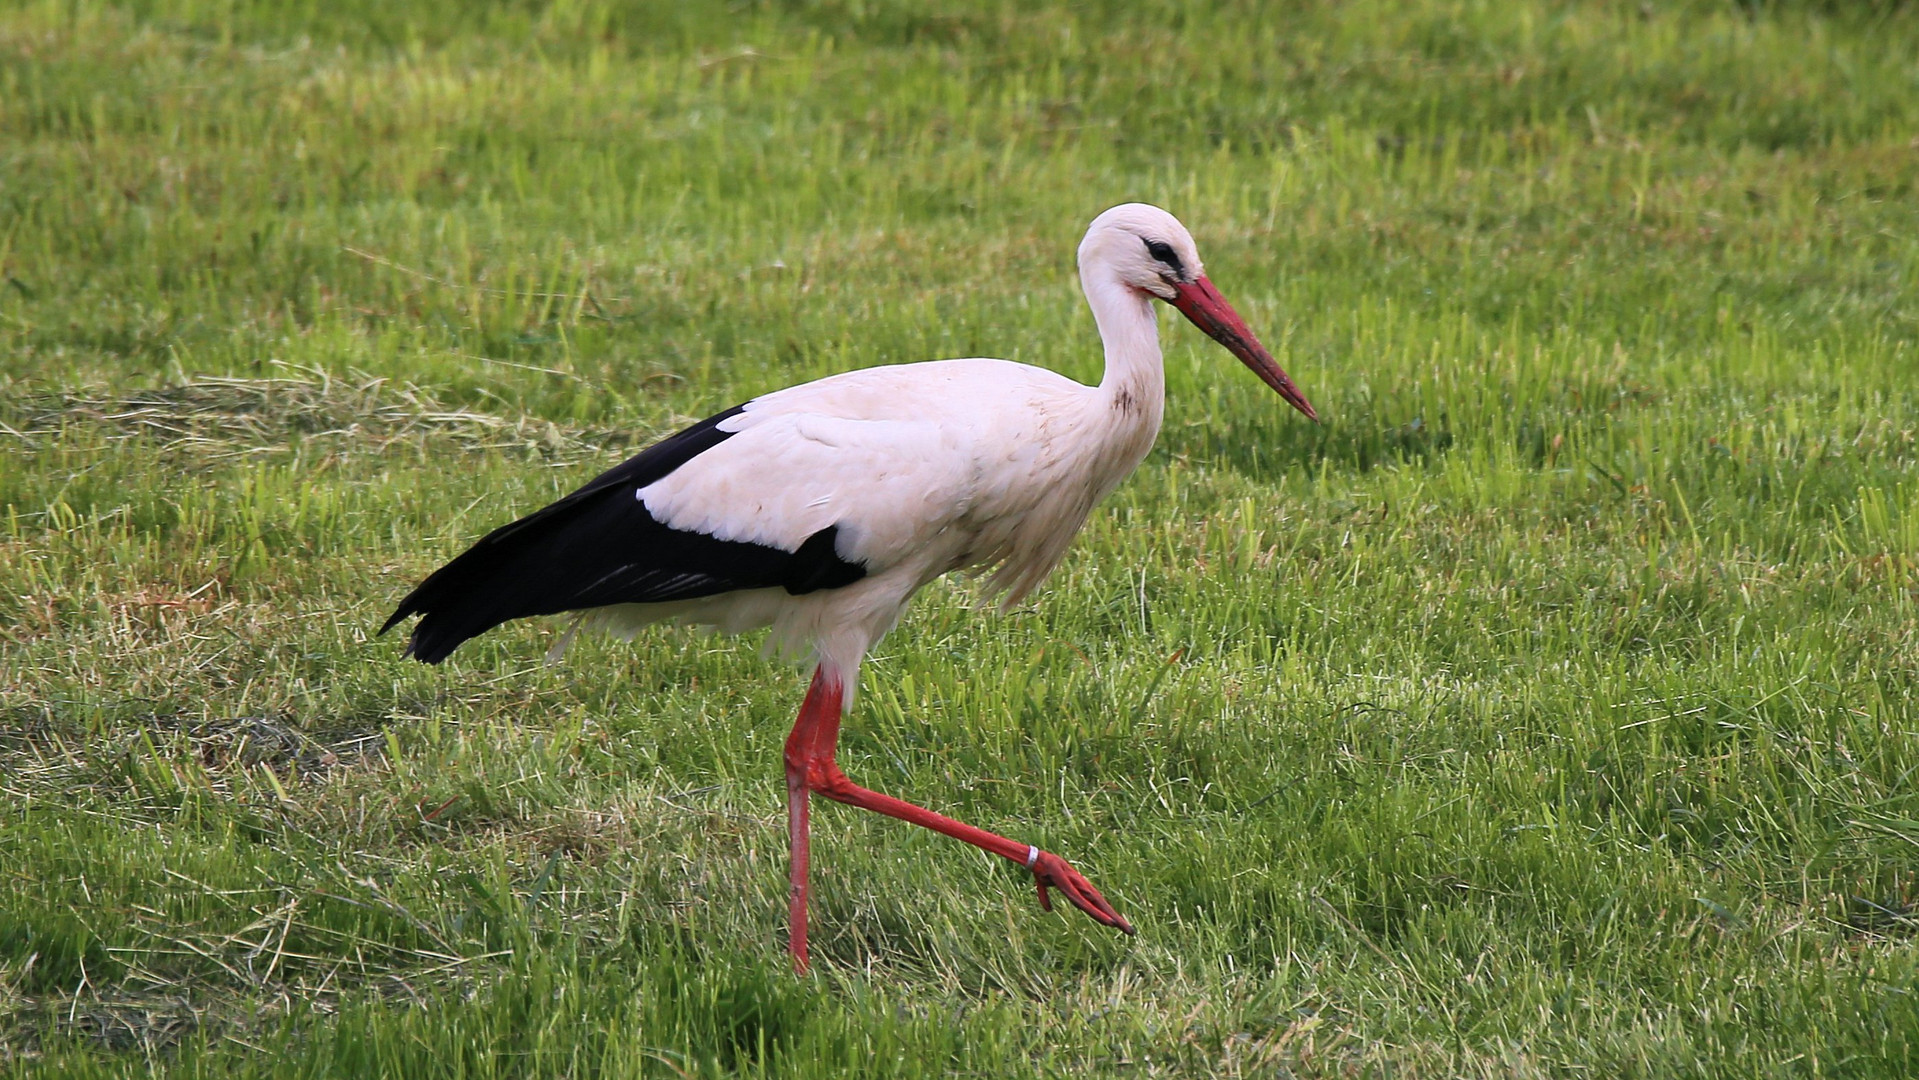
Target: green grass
point(1548, 711)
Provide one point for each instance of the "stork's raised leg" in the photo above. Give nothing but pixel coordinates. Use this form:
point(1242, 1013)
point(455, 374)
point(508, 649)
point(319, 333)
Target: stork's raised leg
point(810, 767)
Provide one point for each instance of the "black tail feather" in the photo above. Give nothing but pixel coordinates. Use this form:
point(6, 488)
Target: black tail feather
point(601, 546)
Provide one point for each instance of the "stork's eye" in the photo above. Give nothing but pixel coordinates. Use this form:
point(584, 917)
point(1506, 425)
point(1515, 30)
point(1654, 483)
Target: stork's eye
point(1162, 251)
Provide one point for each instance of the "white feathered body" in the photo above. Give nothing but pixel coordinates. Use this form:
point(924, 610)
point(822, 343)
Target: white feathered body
point(925, 468)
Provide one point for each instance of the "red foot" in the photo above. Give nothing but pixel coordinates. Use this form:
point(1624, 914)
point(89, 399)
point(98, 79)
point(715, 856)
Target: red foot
point(1051, 870)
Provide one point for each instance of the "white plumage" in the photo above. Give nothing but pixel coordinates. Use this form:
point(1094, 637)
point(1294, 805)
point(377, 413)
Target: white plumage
point(926, 468)
point(820, 509)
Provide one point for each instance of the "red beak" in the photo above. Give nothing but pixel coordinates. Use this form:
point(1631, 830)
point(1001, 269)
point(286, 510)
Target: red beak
point(1209, 311)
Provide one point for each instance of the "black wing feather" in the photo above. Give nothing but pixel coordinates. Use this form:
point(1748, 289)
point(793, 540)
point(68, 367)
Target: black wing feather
point(600, 546)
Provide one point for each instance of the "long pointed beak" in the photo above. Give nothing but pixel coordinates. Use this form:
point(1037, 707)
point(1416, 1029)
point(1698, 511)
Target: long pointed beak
point(1209, 311)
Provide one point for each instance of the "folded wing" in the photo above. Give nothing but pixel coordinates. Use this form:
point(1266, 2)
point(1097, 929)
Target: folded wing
point(602, 545)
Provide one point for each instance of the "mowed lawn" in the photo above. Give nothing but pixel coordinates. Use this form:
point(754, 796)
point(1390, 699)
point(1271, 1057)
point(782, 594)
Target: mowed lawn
point(1546, 711)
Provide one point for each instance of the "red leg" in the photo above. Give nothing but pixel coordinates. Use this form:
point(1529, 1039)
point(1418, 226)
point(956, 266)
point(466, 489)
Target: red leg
point(797, 839)
point(799, 748)
point(810, 766)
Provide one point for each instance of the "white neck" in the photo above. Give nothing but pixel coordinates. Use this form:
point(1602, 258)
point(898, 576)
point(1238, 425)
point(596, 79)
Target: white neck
point(1135, 379)
point(1126, 408)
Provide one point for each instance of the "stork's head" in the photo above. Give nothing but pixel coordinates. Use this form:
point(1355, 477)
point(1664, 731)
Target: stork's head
point(1146, 249)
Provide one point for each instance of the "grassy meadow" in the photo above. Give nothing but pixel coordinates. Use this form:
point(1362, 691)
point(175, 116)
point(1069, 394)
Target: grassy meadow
point(1547, 711)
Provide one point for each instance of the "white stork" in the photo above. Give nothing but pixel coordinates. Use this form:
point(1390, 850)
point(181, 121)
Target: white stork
point(820, 509)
